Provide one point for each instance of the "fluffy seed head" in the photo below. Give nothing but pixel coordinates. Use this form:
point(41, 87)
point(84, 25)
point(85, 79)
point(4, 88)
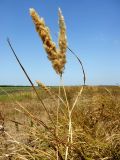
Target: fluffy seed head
point(56, 56)
point(62, 35)
point(44, 87)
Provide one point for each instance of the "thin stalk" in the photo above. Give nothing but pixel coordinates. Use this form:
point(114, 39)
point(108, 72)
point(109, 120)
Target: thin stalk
point(80, 92)
point(25, 110)
point(69, 123)
point(70, 133)
point(84, 75)
point(70, 139)
point(66, 153)
point(45, 108)
point(65, 94)
point(57, 124)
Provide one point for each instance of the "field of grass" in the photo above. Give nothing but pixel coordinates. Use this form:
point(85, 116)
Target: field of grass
point(58, 123)
point(27, 131)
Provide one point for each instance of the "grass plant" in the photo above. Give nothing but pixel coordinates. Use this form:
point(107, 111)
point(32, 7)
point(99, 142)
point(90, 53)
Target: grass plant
point(66, 123)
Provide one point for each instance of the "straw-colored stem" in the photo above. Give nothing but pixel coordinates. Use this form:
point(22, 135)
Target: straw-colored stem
point(70, 136)
point(57, 123)
point(65, 94)
point(69, 140)
point(27, 76)
point(79, 93)
point(70, 133)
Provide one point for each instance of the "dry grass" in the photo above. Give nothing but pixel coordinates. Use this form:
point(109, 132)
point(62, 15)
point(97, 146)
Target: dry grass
point(63, 123)
point(95, 126)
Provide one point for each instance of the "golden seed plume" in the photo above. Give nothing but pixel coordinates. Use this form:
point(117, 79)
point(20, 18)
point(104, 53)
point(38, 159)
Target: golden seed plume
point(56, 56)
point(44, 87)
point(62, 35)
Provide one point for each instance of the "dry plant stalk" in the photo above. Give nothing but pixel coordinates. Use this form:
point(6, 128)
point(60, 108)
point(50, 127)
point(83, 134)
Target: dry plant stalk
point(57, 56)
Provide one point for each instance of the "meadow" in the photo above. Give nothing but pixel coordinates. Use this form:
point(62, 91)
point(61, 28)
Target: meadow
point(28, 133)
point(58, 123)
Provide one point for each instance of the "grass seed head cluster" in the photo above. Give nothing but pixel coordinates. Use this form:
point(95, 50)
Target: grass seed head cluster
point(57, 56)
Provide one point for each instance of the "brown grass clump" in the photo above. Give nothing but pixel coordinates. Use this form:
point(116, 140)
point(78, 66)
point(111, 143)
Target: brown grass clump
point(95, 126)
point(56, 56)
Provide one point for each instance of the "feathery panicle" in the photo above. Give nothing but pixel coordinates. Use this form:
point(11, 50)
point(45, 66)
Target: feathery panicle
point(44, 87)
point(56, 56)
point(62, 40)
point(62, 35)
point(44, 33)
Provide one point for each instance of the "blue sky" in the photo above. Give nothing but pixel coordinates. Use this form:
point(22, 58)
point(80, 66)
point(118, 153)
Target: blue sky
point(93, 32)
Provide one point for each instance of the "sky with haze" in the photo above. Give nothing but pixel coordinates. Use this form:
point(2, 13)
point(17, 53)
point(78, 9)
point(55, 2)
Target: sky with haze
point(93, 33)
